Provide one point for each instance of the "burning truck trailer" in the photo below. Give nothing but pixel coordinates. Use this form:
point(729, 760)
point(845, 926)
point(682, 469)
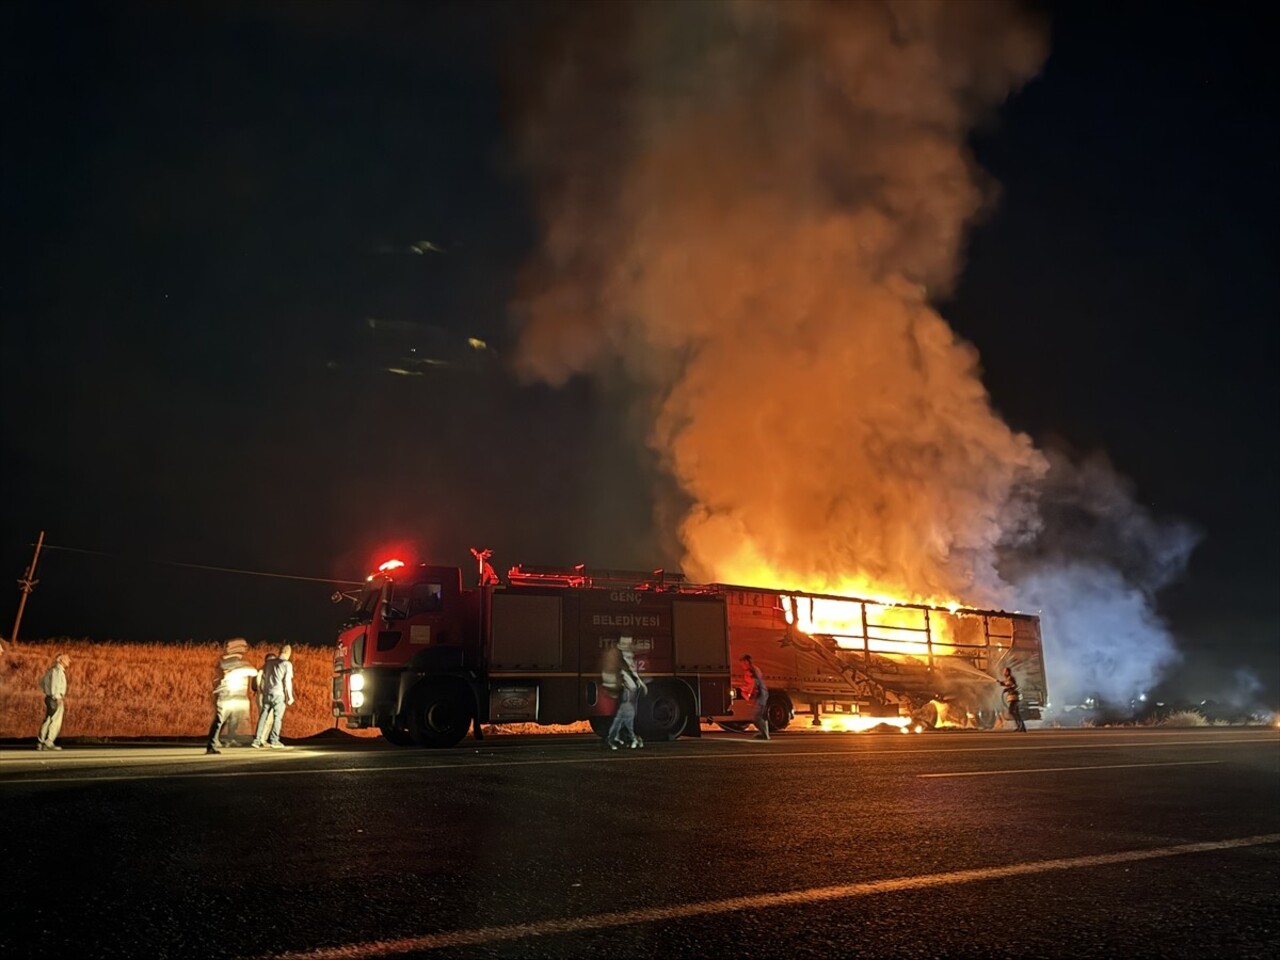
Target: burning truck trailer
point(423, 658)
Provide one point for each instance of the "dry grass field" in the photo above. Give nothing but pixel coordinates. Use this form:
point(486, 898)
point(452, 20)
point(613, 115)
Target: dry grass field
point(147, 689)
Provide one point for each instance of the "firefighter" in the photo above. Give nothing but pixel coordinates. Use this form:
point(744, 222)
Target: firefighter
point(760, 694)
point(230, 692)
point(1012, 699)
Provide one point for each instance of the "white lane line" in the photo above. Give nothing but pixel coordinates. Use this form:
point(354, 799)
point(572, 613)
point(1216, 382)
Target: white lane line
point(1096, 766)
point(630, 757)
point(603, 921)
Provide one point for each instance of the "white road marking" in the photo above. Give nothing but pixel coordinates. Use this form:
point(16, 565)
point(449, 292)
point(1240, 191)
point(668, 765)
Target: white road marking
point(1096, 766)
point(604, 921)
point(631, 756)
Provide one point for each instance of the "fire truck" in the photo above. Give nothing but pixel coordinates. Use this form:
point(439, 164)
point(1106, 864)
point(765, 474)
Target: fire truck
point(424, 659)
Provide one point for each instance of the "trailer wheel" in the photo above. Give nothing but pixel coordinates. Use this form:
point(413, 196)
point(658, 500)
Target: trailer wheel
point(664, 712)
point(779, 711)
point(439, 717)
point(397, 734)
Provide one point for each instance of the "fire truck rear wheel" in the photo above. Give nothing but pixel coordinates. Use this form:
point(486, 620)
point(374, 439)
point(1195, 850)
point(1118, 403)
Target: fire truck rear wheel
point(664, 712)
point(440, 717)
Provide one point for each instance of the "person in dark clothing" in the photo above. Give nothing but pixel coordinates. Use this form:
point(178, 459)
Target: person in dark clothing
point(1012, 699)
point(277, 694)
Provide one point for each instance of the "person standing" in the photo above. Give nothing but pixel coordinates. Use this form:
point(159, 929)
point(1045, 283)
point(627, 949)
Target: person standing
point(230, 691)
point(1013, 698)
point(760, 695)
point(276, 687)
point(631, 688)
point(54, 687)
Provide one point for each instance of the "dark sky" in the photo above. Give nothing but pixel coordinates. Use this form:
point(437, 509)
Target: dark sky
point(204, 206)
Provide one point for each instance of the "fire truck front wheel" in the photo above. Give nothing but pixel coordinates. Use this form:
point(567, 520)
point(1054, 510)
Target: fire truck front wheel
point(395, 733)
point(440, 716)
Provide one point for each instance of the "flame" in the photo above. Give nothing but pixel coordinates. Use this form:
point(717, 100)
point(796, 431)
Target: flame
point(876, 624)
point(857, 723)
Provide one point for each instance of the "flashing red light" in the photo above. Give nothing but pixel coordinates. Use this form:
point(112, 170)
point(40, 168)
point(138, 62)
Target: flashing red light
point(390, 565)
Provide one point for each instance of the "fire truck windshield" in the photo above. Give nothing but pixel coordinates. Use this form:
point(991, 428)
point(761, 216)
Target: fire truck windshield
point(368, 607)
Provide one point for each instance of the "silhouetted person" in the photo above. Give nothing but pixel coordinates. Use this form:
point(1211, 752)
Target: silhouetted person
point(759, 693)
point(230, 691)
point(631, 687)
point(54, 687)
point(277, 693)
point(1012, 699)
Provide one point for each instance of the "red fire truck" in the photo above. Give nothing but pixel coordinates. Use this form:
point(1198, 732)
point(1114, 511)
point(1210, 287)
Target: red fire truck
point(423, 658)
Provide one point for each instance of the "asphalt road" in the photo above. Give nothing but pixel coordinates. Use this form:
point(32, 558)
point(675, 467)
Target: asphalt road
point(1095, 843)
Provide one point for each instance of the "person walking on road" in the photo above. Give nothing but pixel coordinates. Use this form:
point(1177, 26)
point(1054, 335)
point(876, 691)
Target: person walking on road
point(760, 694)
point(1012, 699)
point(54, 687)
point(230, 691)
point(624, 721)
point(276, 687)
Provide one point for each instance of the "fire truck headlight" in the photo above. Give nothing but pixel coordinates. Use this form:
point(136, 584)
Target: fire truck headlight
point(356, 680)
point(357, 700)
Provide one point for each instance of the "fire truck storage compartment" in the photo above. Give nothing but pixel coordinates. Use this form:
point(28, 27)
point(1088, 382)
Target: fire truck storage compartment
point(513, 702)
point(526, 632)
point(699, 637)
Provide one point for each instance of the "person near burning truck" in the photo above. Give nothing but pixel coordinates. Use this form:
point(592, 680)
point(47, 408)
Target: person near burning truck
point(54, 687)
point(1013, 698)
point(230, 692)
point(631, 687)
point(759, 694)
point(276, 684)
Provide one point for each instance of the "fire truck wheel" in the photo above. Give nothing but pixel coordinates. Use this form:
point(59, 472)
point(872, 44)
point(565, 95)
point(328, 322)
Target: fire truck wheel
point(600, 726)
point(664, 712)
point(779, 708)
point(394, 733)
point(440, 717)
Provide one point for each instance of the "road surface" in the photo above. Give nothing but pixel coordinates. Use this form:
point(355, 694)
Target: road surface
point(1095, 843)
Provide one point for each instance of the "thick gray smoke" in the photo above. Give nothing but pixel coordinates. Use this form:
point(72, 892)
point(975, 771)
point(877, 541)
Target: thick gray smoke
point(746, 208)
point(1094, 569)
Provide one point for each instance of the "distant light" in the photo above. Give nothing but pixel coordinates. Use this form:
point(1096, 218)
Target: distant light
point(390, 565)
point(1142, 696)
point(475, 343)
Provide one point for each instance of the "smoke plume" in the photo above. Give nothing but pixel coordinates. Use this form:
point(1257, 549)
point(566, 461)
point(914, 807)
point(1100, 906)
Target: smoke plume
point(746, 209)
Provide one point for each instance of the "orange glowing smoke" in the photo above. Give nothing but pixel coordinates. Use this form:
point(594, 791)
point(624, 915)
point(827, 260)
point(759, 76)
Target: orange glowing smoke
point(752, 239)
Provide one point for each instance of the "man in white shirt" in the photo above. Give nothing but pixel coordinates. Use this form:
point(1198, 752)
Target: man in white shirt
point(54, 686)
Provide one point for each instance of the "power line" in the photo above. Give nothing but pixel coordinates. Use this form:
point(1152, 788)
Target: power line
point(203, 566)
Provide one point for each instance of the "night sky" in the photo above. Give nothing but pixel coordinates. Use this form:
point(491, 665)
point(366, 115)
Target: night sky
point(224, 226)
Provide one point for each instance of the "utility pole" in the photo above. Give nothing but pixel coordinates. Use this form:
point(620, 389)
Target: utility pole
point(26, 584)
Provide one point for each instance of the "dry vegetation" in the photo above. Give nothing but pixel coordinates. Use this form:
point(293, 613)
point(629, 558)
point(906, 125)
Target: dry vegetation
point(147, 689)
